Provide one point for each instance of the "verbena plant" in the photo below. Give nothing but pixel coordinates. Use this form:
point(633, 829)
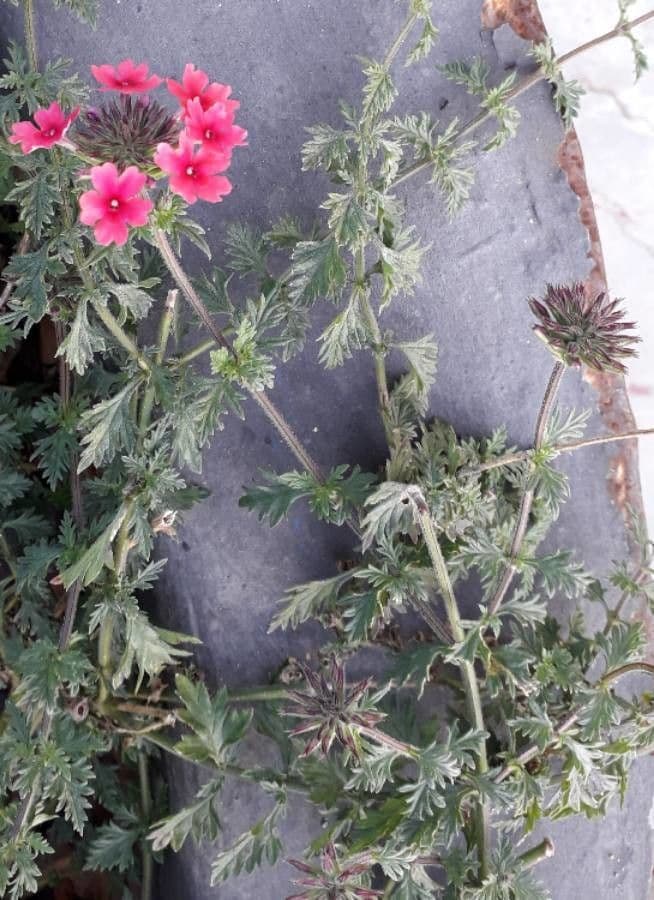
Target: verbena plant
point(93, 469)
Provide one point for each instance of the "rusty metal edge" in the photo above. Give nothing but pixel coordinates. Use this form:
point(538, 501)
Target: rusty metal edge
point(525, 18)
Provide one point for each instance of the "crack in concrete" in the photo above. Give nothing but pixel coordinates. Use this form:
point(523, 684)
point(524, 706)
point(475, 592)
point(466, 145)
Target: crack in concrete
point(622, 107)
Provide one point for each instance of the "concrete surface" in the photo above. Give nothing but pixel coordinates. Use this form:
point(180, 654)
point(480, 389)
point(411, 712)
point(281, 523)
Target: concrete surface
point(616, 129)
point(289, 62)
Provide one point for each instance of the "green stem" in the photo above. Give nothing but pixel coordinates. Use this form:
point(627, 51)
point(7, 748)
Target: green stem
point(510, 459)
point(199, 350)
point(260, 694)
point(544, 850)
point(165, 325)
point(525, 85)
point(260, 397)
point(112, 325)
point(533, 751)
point(147, 861)
point(386, 740)
point(30, 35)
point(396, 46)
point(105, 642)
point(105, 636)
point(627, 669)
point(164, 743)
point(527, 499)
point(375, 337)
point(468, 674)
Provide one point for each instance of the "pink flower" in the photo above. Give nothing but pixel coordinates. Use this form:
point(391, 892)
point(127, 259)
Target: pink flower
point(52, 127)
point(114, 204)
point(194, 172)
point(195, 86)
point(126, 77)
point(213, 127)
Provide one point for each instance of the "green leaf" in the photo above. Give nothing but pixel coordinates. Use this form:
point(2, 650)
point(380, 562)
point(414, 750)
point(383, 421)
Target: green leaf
point(347, 218)
point(399, 265)
point(45, 670)
point(473, 76)
point(91, 563)
point(452, 177)
point(414, 665)
point(112, 847)
point(260, 844)
point(641, 63)
point(273, 500)
point(29, 271)
point(391, 511)
point(344, 334)
point(317, 271)
point(379, 92)
point(439, 764)
point(246, 250)
point(36, 194)
point(82, 341)
point(623, 644)
point(360, 613)
point(425, 43)
point(199, 819)
point(216, 729)
point(307, 601)
point(148, 647)
point(326, 149)
point(133, 298)
point(109, 427)
point(567, 94)
point(245, 365)
point(422, 355)
point(85, 10)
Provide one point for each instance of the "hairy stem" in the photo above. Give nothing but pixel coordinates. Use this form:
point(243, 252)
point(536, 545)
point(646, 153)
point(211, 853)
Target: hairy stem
point(274, 415)
point(510, 459)
point(468, 674)
point(112, 325)
point(168, 745)
point(528, 82)
point(527, 500)
point(544, 850)
point(199, 350)
point(105, 636)
point(165, 324)
point(374, 332)
point(396, 46)
point(30, 35)
point(533, 751)
point(380, 737)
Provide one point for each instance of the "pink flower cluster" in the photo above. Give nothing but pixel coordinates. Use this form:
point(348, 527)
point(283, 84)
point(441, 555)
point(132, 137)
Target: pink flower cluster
point(195, 167)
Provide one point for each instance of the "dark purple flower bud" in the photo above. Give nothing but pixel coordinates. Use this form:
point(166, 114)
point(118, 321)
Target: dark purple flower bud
point(581, 329)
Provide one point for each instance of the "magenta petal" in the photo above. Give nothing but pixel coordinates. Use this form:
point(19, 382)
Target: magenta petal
point(92, 207)
point(111, 230)
point(104, 179)
point(130, 182)
point(137, 210)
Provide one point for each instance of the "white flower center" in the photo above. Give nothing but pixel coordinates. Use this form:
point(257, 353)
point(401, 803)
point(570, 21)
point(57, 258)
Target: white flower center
point(114, 204)
point(208, 134)
point(190, 170)
point(197, 97)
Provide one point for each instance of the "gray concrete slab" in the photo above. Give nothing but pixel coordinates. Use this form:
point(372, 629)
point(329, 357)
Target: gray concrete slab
point(289, 62)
